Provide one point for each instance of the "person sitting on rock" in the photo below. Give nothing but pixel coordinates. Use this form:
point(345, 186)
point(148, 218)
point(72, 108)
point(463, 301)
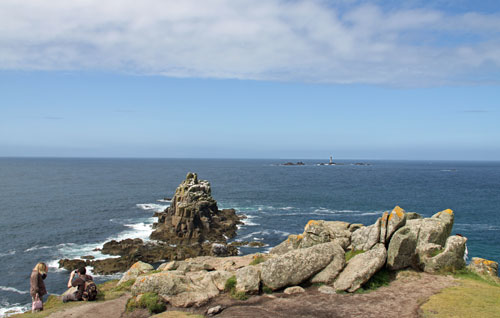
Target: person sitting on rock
point(79, 283)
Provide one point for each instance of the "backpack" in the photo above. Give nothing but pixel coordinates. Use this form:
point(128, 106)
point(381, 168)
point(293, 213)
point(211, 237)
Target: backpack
point(89, 290)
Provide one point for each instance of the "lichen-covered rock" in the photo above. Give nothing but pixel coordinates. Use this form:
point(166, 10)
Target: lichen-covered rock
point(434, 258)
point(361, 268)
point(325, 289)
point(297, 266)
point(220, 278)
point(294, 290)
point(181, 290)
point(366, 237)
point(391, 222)
point(401, 252)
point(412, 216)
point(483, 266)
point(290, 244)
point(332, 270)
point(319, 231)
point(248, 279)
point(136, 270)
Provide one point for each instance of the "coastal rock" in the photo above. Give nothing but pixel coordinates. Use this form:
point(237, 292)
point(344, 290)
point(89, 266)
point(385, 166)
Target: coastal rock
point(412, 216)
point(390, 222)
point(435, 229)
point(296, 266)
point(124, 247)
point(290, 244)
point(72, 264)
point(332, 270)
point(193, 216)
point(214, 310)
point(325, 289)
point(191, 289)
point(366, 237)
point(248, 279)
point(401, 252)
point(220, 278)
point(361, 268)
point(451, 257)
point(294, 290)
point(136, 270)
point(485, 267)
point(317, 232)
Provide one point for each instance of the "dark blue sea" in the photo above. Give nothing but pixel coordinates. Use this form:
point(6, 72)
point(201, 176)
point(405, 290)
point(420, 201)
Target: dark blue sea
point(65, 208)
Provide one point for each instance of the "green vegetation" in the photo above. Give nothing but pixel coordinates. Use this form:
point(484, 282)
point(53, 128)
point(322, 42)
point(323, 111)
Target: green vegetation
point(266, 289)
point(230, 287)
point(230, 284)
point(150, 301)
point(350, 254)
point(107, 291)
point(257, 259)
point(151, 272)
point(436, 252)
point(381, 278)
point(475, 296)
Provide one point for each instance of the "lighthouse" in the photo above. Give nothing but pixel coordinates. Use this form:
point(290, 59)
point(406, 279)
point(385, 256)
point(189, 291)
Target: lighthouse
point(331, 160)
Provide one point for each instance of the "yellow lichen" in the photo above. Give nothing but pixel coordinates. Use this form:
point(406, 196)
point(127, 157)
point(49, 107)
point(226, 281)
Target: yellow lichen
point(449, 211)
point(399, 211)
point(311, 222)
point(385, 217)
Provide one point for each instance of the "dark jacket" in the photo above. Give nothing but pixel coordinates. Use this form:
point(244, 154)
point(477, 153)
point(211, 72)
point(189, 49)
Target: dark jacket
point(37, 286)
point(79, 282)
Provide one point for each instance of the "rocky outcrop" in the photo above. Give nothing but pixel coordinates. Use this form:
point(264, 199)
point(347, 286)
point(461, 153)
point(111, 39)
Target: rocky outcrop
point(434, 258)
point(401, 252)
point(484, 267)
point(332, 270)
point(136, 270)
point(192, 226)
point(193, 216)
point(248, 279)
point(361, 268)
point(297, 266)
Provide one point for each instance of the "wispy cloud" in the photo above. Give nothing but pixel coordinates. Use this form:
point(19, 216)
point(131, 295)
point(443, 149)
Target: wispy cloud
point(270, 40)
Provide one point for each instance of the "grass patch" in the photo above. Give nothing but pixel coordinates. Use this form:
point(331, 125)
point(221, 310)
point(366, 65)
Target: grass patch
point(257, 259)
point(381, 278)
point(436, 252)
point(350, 254)
point(150, 301)
point(474, 297)
point(107, 291)
point(151, 272)
point(230, 287)
point(266, 289)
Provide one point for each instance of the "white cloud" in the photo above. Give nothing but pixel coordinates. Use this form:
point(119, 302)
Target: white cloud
point(272, 40)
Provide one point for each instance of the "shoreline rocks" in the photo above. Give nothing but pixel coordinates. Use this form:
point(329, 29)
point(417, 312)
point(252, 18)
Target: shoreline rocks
point(191, 226)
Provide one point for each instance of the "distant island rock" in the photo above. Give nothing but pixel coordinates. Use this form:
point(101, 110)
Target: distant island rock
point(191, 226)
point(299, 163)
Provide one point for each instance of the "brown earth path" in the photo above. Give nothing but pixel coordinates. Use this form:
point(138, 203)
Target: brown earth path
point(401, 299)
point(108, 309)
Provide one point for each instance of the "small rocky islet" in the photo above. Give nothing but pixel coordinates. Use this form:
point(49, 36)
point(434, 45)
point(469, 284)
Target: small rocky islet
point(339, 256)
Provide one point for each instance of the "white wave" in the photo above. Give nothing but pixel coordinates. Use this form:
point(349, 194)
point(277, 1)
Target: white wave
point(36, 247)
point(7, 309)
point(152, 206)
point(370, 213)
point(287, 208)
point(248, 221)
point(11, 252)
point(164, 200)
point(264, 233)
point(14, 290)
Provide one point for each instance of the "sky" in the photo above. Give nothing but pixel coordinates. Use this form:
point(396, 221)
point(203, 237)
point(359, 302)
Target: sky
point(412, 80)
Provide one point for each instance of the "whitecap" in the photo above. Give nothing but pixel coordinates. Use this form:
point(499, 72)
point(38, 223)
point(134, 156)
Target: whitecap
point(7, 309)
point(36, 247)
point(152, 206)
point(12, 289)
point(164, 200)
point(11, 252)
point(287, 208)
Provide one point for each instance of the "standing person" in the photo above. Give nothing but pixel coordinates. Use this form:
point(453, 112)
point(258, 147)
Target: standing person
point(79, 283)
point(37, 286)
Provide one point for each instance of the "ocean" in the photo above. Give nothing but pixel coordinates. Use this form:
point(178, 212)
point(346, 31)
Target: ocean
point(65, 208)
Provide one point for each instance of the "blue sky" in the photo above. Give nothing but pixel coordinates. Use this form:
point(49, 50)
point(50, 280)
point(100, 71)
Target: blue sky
point(246, 79)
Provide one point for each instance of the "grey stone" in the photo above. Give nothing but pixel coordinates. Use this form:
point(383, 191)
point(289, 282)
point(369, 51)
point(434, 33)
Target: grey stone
point(248, 279)
point(361, 268)
point(332, 270)
point(450, 258)
point(294, 290)
point(366, 237)
point(135, 270)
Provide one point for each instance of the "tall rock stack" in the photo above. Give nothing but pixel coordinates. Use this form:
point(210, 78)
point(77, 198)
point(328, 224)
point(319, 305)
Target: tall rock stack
point(193, 216)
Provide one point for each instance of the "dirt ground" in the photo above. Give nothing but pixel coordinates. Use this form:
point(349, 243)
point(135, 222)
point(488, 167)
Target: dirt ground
point(401, 299)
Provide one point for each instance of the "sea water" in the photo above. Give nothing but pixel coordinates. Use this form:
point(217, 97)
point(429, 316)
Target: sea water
point(66, 208)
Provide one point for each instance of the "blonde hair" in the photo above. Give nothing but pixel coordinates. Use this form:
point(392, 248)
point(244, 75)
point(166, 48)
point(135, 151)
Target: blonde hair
point(41, 268)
